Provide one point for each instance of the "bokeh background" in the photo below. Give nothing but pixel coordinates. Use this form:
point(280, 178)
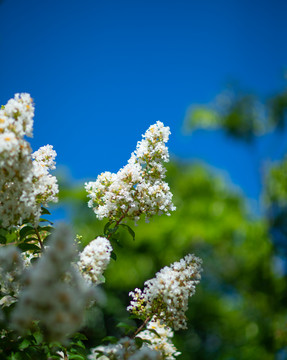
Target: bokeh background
point(100, 73)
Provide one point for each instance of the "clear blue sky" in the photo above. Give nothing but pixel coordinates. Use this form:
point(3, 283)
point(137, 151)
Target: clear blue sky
point(102, 71)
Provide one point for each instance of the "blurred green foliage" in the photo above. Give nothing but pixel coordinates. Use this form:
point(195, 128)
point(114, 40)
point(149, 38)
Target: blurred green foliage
point(239, 309)
point(242, 116)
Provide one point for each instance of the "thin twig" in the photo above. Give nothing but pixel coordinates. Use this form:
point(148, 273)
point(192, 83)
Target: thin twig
point(141, 327)
point(39, 238)
point(118, 222)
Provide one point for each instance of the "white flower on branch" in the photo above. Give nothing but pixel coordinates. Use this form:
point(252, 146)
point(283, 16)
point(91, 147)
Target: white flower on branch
point(159, 338)
point(24, 184)
point(138, 188)
point(165, 297)
point(126, 348)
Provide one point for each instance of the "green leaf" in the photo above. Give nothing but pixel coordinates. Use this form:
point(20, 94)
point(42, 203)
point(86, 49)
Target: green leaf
point(3, 239)
point(77, 357)
point(45, 220)
point(79, 336)
point(45, 211)
point(106, 228)
point(128, 328)
point(111, 339)
point(46, 228)
point(130, 230)
point(24, 344)
point(113, 230)
point(30, 239)
point(26, 247)
point(113, 255)
point(138, 341)
point(154, 331)
point(26, 230)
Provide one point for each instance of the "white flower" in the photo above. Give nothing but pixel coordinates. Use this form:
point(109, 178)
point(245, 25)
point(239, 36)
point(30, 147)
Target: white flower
point(55, 294)
point(138, 188)
point(18, 114)
point(11, 268)
point(161, 340)
point(45, 185)
point(125, 349)
point(24, 184)
point(165, 297)
point(94, 260)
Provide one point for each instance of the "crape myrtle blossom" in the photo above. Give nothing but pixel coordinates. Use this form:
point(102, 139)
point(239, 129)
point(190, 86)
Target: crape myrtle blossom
point(159, 338)
point(17, 116)
point(138, 188)
point(24, 184)
point(11, 269)
point(125, 349)
point(94, 260)
point(165, 297)
point(54, 293)
point(45, 185)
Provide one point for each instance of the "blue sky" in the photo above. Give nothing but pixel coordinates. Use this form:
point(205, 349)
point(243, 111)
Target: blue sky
point(102, 71)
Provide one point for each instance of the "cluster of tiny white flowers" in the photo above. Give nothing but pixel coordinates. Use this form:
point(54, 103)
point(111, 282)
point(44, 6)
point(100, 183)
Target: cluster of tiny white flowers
point(23, 186)
point(165, 297)
point(94, 260)
point(54, 293)
point(125, 349)
point(17, 116)
point(161, 340)
point(138, 188)
point(10, 273)
point(45, 185)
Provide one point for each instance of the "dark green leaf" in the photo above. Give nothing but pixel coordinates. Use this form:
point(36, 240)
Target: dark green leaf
point(26, 247)
point(113, 256)
point(77, 357)
point(130, 230)
point(45, 211)
point(128, 328)
point(45, 220)
point(24, 344)
point(79, 336)
point(46, 228)
point(111, 339)
point(113, 230)
point(106, 228)
point(154, 331)
point(139, 341)
point(26, 230)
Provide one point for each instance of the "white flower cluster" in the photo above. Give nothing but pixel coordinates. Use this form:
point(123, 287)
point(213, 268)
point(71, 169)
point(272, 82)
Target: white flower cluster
point(159, 339)
point(23, 186)
point(45, 185)
point(17, 116)
point(125, 349)
point(10, 273)
point(94, 260)
point(165, 297)
point(138, 188)
point(54, 293)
